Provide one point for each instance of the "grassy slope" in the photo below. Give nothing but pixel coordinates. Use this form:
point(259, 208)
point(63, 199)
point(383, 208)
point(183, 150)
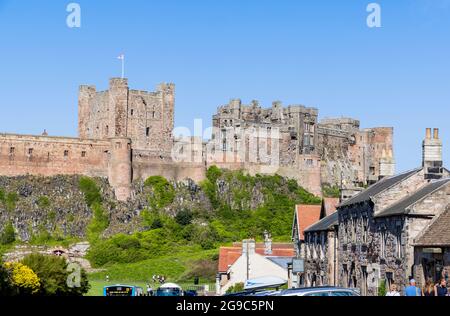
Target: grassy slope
point(140, 273)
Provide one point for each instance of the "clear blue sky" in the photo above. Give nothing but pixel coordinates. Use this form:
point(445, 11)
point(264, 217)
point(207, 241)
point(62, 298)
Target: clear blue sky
point(313, 52)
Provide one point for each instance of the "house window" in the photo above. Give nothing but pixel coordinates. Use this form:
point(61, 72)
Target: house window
point(322, 245)
point(383, 243)
point(389, 279)
point(365, 230)
point(398, 243)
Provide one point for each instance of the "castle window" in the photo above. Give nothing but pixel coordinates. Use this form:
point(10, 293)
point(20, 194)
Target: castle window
point(107, 130)
point(83, 154)
point(147, 131)
point(66, 153)
point(132, 111)
point(153, 114)
point(309, 162)
point(30, 151)
point(12, 150)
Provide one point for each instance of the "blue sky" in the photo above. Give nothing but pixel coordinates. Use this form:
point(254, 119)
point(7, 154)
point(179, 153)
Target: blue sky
point(313, 52)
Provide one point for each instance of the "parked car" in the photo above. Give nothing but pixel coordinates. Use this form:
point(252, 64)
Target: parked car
point(318, 291)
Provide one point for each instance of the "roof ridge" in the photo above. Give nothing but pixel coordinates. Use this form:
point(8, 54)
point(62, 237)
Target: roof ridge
point(432, 222)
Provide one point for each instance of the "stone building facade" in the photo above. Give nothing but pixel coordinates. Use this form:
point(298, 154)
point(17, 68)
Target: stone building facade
point(126, 134)
point(380, 229)
point(333, 151)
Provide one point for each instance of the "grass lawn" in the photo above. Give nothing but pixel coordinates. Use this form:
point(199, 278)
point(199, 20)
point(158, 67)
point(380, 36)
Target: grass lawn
point(140, 273)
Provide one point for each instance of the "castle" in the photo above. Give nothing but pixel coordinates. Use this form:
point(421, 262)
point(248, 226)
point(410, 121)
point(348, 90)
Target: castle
point(127, 134)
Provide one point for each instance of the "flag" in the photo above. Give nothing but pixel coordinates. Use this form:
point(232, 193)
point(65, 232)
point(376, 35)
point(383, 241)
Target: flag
point(121, 57)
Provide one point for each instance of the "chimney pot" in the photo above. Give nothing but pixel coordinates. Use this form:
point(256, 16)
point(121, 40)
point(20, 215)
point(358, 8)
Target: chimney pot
point(436, 133)
point(428, 133)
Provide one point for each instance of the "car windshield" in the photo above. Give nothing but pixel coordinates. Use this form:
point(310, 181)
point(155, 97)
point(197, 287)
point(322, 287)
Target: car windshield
point(318, 294)
point(341, 293)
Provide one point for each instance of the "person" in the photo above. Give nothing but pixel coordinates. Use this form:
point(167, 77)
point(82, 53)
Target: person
point(149, 290)
point(441, 288)
point(107, 278)
point(393, 291)
point(412, 289)
point(429, 289)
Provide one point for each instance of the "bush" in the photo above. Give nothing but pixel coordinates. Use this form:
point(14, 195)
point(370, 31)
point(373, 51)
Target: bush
point(238, 287)
point(54, 275)
point(6, 287)
point(184, 217)
point(163, 192)
point(90, 190)
point(23, 279)
point(8, 235)
point(382, 288)
point(11, 201)
point(331, 191)
point(43, 202)
point(98, 224)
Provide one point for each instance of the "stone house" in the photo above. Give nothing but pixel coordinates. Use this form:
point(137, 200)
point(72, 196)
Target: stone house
point(384, 229)
point(309, 221)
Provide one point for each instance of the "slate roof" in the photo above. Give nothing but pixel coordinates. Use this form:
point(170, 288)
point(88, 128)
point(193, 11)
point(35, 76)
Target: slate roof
point(325, 223)
point(379, 187)
point(437, 234)
point(281, 261)
point(401, 206)
point(306, 215)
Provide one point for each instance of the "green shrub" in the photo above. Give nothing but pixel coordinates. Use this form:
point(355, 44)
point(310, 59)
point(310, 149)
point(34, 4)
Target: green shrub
point(382, 288)
point(184, 217)
point(8, 235)
point(163, 192)
point(331, 191)
point(43, 202)
point(90, 190)
point(238, 287)
point(2, 196)
point(53, 274)
point(11, 200)
point(98, 224)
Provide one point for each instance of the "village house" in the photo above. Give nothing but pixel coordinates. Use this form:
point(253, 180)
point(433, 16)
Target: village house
point(397, 229)
point(311, 241)
point(250, 260)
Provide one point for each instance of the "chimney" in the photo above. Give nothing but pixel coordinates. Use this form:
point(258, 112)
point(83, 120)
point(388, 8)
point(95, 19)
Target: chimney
point(248, 246)
point(432, 155)
point(436, 133)
point(387, 164)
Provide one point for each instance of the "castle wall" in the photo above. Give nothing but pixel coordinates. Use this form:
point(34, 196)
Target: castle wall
point(48, 156)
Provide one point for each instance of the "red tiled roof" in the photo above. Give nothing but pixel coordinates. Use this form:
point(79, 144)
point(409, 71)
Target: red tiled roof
point(229, 255)
point(306, 216)
point(330, 205)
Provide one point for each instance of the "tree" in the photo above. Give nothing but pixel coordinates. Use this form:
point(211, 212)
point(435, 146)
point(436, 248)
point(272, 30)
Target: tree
point(53, 274)
point(238, 287)
point(23, 278)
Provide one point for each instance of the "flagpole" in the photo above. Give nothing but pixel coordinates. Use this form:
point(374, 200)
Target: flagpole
point(123, 66)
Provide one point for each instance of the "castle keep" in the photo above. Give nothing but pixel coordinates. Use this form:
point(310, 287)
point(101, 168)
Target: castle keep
point(126, 134)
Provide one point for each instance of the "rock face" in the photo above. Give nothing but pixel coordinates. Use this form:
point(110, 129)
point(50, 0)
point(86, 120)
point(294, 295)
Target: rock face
point(57, 206)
